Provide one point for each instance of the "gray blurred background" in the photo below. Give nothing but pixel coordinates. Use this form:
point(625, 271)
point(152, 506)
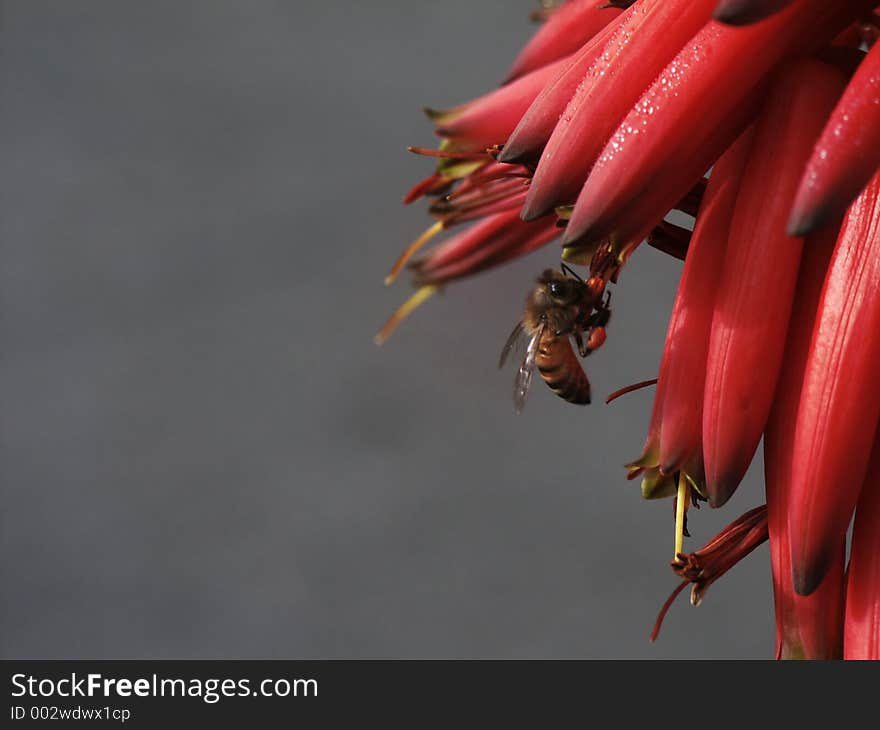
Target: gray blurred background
point(203, 453)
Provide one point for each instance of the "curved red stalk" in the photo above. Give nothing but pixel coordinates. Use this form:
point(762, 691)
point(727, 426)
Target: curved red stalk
point(630, 389)
point(807, 627)
point(432, 184)
point(695, 95)
point(862, 627)
point(687, 339)
point(491, 118)
point(638, 49)
point(488, 206)
point(465, 199)
point(754, 297)
point(671, 239)
point(691, 202)
point(537, 124)
point(567, 29)
point(491, 171)
point(840, 399)
point(743, 12)
point(847, 154)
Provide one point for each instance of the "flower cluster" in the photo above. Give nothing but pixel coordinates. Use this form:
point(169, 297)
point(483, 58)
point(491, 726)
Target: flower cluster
point(612, 116)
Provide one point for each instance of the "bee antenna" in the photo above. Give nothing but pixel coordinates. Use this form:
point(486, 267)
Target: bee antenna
point(566, 269)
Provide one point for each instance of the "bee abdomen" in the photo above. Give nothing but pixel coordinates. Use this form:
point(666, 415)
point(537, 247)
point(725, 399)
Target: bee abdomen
point(560, 369)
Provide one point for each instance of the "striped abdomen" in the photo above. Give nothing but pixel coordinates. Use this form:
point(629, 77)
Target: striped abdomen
point(561, 369)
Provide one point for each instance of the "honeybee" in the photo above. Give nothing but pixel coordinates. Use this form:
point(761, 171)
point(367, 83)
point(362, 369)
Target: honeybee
point(561, 305)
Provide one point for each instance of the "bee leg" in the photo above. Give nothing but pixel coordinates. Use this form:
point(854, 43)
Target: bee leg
point(583, 350)
point(600, 317)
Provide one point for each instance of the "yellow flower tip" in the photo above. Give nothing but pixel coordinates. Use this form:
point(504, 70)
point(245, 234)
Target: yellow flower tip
point(407, 308)
point(440, 116)
point(411, 250)
point(563, 212)
point(648, 460)
point(657, 486)
point(578, 255)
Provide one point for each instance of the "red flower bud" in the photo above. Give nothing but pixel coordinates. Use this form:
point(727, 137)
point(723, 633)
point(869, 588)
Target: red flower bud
point(807, 627)
point(534, 129)
point(490, 119)
point(840, 399)
point(642, 43)
point(753, 302)
point(862, 628)
point(692, 99)
point(567, 29)
point(687, 339)
point(846, 155)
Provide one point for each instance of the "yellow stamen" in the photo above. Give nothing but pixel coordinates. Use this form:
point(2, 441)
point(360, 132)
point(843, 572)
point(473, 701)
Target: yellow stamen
point(410, 251)
point(407, 308)
point(680, 509)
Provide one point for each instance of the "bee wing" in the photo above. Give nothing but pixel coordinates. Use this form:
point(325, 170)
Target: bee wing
point(515, 339)
point(524, 376)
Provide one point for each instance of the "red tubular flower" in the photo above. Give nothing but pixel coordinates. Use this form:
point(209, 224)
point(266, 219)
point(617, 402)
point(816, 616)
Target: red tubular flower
point(651, 205)
point(638, 49)
point(840, 400)
point(567, 29)
point(743, 12)
point(862, 628)
point(687, 339)
point(760, 271)
point(675, 419)
point(807, 627)
point(692, 99)
point(847, 154)
point(534, 129)
point(489, 120)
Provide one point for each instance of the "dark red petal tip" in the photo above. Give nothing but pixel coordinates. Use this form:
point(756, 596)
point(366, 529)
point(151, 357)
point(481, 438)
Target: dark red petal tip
point(745, 12)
